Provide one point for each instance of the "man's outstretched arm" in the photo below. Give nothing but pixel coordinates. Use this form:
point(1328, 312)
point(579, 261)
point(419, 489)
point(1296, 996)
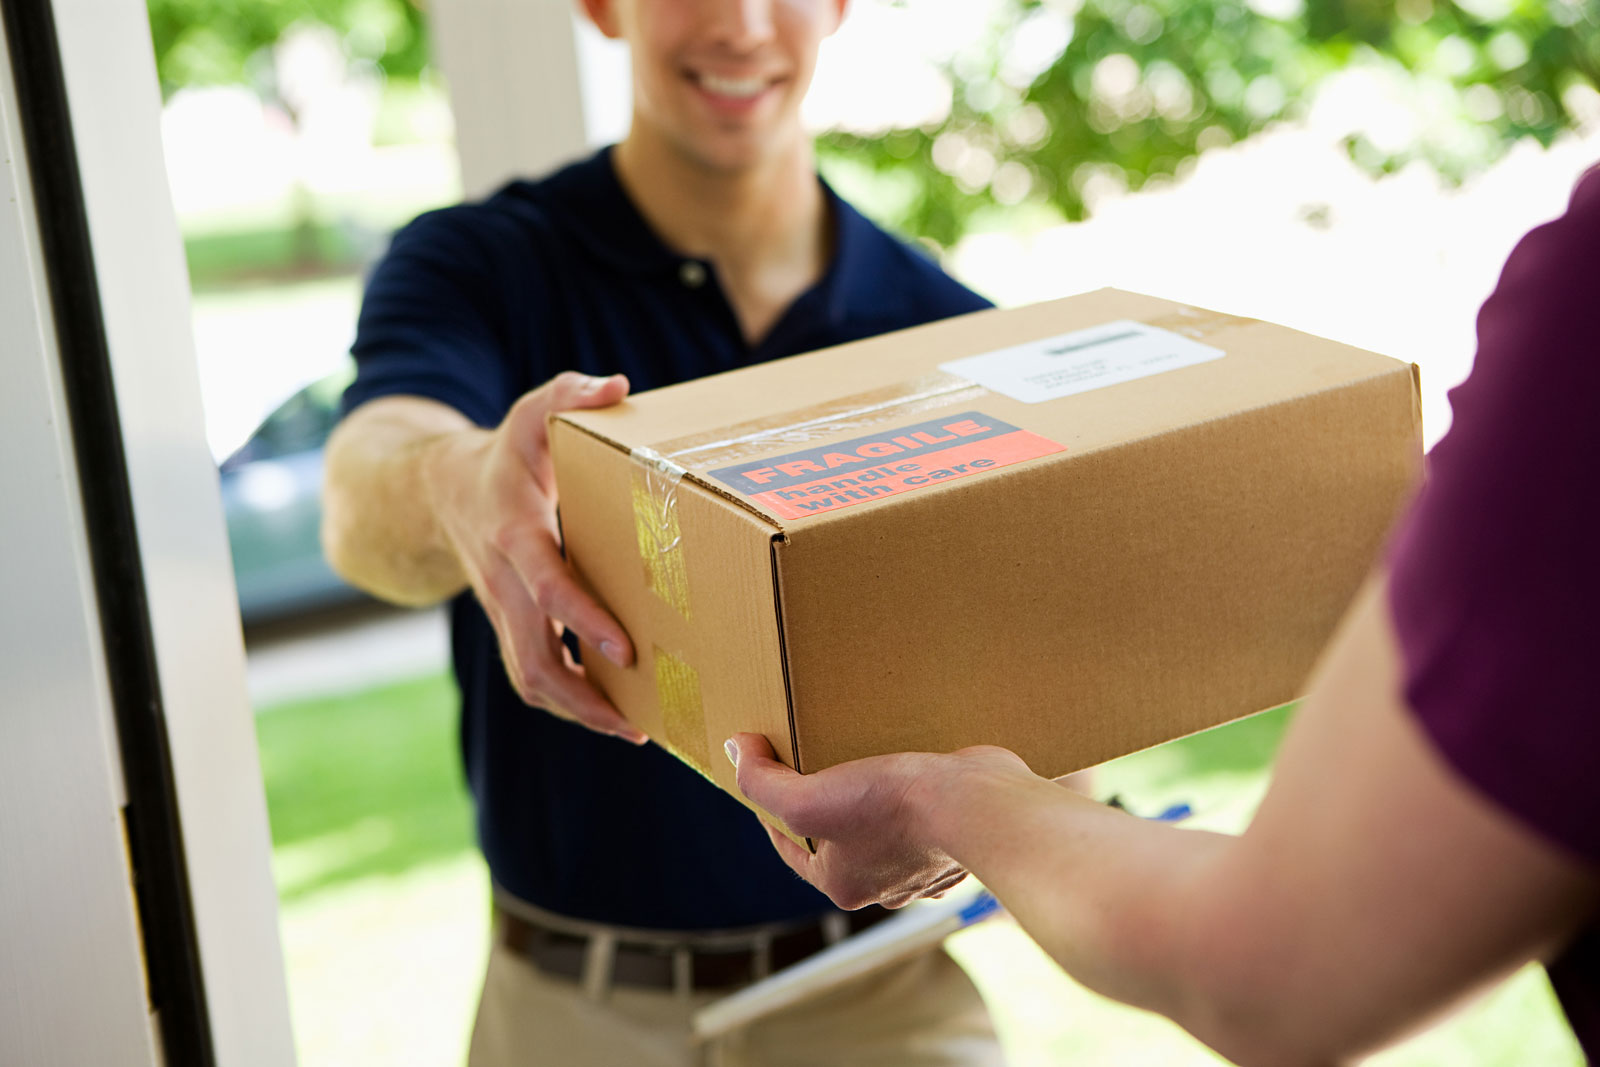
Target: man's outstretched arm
point(1373, 889)
point(418, 504)
point(380, 531)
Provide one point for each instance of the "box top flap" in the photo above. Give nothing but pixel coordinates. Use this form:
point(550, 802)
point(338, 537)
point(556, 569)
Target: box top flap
point(764, 435)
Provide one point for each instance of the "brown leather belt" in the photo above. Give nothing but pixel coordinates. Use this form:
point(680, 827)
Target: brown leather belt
point(655, 965)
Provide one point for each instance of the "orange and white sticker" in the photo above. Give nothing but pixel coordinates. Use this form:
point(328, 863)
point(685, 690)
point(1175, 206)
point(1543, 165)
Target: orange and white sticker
point(886, 464)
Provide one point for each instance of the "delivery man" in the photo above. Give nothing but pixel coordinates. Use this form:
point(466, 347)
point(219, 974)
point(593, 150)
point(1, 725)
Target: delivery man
point(629, 892)
point(1434, 818)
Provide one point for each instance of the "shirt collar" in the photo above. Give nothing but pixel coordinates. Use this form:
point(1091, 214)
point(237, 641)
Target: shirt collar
point(595, 209)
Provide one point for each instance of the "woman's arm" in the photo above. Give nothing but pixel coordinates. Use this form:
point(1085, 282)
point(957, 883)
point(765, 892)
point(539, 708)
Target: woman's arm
point(1372, 890)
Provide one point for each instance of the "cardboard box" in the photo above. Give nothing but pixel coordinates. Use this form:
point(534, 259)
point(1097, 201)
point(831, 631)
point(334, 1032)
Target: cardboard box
point(1125, 521)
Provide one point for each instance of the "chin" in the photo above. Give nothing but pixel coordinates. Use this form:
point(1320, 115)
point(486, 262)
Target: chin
point(730, 159)
point(727, 153)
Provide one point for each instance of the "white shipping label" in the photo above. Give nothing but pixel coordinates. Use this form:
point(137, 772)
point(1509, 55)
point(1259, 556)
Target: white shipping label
point(1077, 362)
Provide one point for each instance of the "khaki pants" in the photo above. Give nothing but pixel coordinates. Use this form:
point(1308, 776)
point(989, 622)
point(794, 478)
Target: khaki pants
point(922, 1012)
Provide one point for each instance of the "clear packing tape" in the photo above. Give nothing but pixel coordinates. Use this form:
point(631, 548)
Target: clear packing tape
point(654, 487)
point(727, 445)
point(658, 474)
point(659, 470)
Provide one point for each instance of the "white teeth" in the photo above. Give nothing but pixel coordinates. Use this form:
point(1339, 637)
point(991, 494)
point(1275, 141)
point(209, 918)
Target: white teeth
point(738, 87)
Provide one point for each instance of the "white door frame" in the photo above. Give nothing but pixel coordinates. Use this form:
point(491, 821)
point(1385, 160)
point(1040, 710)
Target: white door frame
point(71, 980)
point(131, 804)
point(532, 85)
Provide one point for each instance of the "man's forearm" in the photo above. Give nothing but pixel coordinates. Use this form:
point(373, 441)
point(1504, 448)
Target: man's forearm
point(379, 529)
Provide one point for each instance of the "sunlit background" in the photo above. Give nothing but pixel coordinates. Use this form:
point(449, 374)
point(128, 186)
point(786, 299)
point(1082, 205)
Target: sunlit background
point(1354, 170)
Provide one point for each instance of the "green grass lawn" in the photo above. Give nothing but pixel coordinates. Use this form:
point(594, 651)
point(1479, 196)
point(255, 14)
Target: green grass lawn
point(385, 900)
point(364, 786)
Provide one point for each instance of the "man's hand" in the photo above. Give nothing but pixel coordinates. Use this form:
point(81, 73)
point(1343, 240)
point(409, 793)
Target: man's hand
point(494, 497)
point(865, 817)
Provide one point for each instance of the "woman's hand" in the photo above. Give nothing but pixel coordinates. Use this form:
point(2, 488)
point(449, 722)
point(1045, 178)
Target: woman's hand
point(868, 818)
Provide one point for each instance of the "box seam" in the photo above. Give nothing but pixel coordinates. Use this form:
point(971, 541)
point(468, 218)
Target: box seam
point(783, 649)
point(778, 539)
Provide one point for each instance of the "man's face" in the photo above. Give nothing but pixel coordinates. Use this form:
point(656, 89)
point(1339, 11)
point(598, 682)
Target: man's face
point(721, 80)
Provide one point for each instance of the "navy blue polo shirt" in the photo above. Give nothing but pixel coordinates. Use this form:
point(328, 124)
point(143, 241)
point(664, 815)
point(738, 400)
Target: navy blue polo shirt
point(477, 304)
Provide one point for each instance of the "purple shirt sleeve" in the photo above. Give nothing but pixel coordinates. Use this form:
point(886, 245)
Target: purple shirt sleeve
point(1495, 574)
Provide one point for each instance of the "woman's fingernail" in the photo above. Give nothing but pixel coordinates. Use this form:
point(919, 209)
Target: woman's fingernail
point(732, 750)
point(613, 652)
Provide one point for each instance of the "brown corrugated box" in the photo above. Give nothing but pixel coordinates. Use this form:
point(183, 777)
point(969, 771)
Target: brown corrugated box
point(857, 551)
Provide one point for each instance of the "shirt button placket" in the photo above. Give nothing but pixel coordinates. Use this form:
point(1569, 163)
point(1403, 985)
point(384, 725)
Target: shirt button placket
point(692, 273)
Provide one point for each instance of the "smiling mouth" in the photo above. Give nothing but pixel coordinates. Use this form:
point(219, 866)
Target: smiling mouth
point(735, 88)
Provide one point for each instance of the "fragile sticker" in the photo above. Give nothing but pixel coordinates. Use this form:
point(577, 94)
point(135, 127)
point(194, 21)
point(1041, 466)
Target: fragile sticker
point(895, 461)
point(1071, 363)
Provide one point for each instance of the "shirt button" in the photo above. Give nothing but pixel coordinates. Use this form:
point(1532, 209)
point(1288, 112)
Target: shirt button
point(692, 273)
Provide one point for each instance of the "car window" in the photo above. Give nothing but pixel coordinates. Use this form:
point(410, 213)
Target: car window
point(300, 424)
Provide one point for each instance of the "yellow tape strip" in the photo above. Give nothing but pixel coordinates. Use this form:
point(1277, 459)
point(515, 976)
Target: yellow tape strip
point(683, 716)
point(655, 524)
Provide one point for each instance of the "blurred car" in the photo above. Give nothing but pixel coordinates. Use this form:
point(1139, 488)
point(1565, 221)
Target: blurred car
point(272, 499)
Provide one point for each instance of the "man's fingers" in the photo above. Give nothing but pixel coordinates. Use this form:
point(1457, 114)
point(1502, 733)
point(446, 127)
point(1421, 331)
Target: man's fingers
point(535, 662)
point(521, 629)
point(567, 391)
point(527, 424)
point(553, 588)
point(572, 696)
point(570, 389)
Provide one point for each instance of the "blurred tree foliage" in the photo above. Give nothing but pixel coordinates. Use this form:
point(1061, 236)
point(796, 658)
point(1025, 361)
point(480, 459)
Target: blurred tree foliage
point(1062, 97)
point(216, 42)
point(233, 42)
